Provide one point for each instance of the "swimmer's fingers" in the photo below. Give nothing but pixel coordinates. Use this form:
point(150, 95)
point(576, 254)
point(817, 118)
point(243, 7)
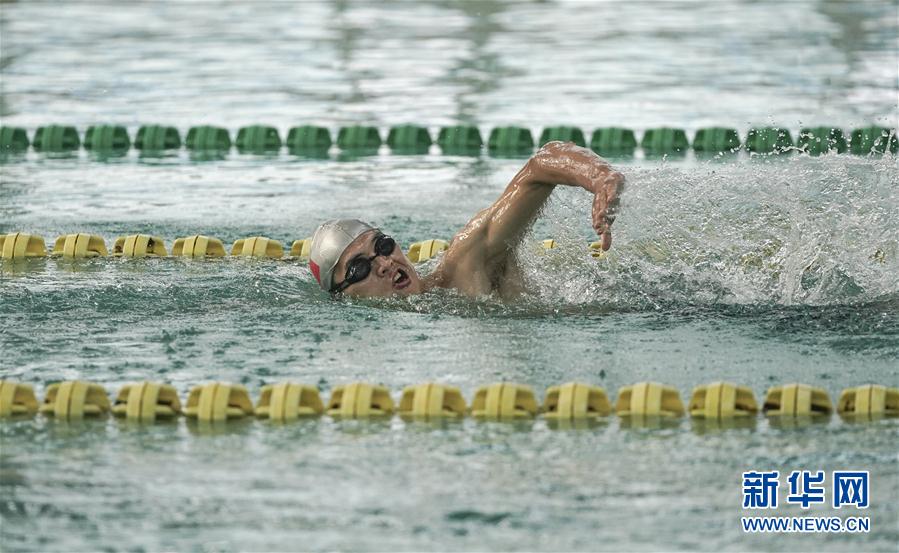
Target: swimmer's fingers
point(604, 230)
point(604, 213)
point(605, 206)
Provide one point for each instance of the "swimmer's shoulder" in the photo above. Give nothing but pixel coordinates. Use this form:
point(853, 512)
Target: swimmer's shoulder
point(462, 269)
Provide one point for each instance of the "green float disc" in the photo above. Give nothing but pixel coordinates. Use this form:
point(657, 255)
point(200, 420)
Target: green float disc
point(460, 139)
point(308, 138)
point(873, 139)
point(409, 138)
point(207, 137)
point(768, 140)
point(820, 140)
point(664, 140)
point(716, 140)
point(510, 140)
point(613, 140)
point(565, 134)
point(157, 137)
point(258, 139)
point(56, 138)
point(105, 138)
point(358, 137)
point(13, 139)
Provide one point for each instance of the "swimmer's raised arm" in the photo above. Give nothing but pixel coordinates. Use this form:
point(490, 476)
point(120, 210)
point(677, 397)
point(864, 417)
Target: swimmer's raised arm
point(503, 224)
point(353, 258)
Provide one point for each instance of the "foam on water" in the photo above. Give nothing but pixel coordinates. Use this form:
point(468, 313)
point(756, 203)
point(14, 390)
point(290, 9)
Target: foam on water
point(779, 232)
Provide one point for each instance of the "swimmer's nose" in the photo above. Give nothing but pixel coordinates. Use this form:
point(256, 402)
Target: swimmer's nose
point(382, 266)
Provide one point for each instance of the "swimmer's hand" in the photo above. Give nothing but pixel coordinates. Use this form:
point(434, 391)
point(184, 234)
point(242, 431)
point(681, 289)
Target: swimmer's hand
point(569, 164)
point(607, 188)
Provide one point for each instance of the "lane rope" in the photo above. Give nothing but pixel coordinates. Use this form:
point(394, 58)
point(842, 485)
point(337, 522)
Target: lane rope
point(504, 401)
point(503, 141)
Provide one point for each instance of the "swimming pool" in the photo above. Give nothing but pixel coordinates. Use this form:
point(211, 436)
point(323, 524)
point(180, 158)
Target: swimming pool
point(759, 271)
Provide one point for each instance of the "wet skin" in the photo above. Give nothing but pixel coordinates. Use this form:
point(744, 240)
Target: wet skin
point(480, 259)
point(390, 275)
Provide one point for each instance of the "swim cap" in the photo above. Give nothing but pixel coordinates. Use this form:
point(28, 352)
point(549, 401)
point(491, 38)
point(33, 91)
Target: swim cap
point(328, 243)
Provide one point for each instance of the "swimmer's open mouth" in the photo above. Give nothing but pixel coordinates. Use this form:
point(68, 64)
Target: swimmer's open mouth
point(401, 280)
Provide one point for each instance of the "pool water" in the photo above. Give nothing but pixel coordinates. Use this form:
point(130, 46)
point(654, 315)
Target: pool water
point(761, 271)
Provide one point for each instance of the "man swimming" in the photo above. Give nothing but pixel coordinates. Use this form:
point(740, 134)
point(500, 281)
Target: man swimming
point(354, 258)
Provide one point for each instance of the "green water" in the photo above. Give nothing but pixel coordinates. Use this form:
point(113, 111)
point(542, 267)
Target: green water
point(758, 271)
point(695, 308)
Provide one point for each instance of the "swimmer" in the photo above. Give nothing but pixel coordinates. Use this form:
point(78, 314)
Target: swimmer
point(353, 258)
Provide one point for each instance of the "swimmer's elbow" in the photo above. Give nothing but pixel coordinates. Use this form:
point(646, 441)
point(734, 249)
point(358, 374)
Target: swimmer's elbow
point(556, 147)
point(553, 145)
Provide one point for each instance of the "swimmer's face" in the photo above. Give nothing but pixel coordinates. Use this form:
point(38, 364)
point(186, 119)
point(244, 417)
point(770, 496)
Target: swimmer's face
point(390, 275)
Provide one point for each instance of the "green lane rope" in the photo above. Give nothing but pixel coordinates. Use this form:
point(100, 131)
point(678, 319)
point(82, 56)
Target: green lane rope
point(508, 141)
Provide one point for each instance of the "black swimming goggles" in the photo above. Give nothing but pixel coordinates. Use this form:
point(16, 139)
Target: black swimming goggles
point(359, 267)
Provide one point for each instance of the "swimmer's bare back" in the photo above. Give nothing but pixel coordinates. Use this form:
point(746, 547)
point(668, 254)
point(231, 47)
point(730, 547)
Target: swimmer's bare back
point(480, 257)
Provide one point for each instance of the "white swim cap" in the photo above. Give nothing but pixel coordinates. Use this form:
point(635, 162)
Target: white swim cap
point(328, 243)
